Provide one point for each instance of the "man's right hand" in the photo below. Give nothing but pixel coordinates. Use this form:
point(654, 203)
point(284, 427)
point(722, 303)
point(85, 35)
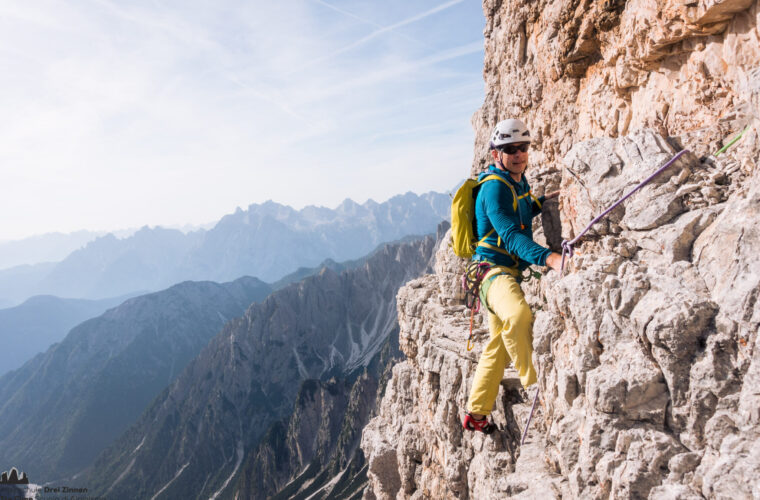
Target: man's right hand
point(554, 260)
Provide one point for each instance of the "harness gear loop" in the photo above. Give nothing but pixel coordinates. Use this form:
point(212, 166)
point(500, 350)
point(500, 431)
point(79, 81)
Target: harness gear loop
point(529, 274)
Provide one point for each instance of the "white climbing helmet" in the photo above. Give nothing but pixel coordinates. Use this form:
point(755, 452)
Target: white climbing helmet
point(509, 131)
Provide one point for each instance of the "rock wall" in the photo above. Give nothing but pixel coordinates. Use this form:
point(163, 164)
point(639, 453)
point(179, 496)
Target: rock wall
point(579, 69)
point(647, 347)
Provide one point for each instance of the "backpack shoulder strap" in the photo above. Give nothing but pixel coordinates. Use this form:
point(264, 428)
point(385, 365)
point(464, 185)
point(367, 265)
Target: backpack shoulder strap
point(500, 178)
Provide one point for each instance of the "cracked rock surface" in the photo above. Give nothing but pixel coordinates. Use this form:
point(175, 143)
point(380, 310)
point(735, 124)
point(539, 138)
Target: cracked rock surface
point(647, 347)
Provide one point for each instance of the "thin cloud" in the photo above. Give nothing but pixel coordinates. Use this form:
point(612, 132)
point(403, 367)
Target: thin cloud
point(386, 29)
point(361, 19)
point(419, 17)
point(279, 103)
point(414, 130)
point(349, 14)
point(166, 24)
point(379, 76)
point(468, 97)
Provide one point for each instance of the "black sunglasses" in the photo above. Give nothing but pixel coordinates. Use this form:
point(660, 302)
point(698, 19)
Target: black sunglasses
point(511, 149)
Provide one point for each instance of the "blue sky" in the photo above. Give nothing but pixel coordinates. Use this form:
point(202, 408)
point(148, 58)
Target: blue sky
point(122, 114)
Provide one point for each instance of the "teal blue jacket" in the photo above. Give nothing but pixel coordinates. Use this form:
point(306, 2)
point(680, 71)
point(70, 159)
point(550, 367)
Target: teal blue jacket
point(510, 241)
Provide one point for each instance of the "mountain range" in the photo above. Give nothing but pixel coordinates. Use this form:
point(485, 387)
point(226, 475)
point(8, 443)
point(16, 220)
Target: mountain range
point(60, 409)
point(199, 435)
point(319, 342)
point(50, 247)
point(266, 240)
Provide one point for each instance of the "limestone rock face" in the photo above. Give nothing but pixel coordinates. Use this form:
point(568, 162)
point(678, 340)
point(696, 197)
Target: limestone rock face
point(647, 346)
point(646, 350)
point(579, 69)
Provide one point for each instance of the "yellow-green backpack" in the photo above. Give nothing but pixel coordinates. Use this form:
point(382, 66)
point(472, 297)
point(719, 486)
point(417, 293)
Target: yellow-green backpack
point(463, 239)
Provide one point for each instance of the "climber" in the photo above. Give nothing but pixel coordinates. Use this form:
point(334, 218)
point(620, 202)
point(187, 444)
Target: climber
point(504, 209)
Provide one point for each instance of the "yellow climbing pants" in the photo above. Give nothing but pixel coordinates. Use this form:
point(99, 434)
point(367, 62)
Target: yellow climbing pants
point(511, 338)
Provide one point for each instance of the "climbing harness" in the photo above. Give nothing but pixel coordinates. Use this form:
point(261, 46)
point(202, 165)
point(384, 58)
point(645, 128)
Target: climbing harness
point(567, 246)
point(733, 141)
point(476, 287)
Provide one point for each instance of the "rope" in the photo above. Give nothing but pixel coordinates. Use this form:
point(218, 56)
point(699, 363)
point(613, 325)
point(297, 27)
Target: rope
point(733, 141)
point(527, 424)
point(567, 246)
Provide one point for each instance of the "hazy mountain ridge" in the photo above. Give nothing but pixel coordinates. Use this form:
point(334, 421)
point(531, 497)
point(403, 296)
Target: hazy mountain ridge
point(267, 240)
point(59, 410)
point(42, 320)
point(108, 265)
point(196, 435)
point(283, 239)
point(19, 283)
point(50, 247)
point(33, 326)
point(56, 246)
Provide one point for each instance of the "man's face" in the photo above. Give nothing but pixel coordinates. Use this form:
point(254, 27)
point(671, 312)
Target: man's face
point(514, 157)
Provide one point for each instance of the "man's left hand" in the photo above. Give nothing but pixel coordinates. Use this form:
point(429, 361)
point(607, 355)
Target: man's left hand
point(551, 195)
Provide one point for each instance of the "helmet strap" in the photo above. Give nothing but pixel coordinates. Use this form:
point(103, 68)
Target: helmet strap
point(498, 161)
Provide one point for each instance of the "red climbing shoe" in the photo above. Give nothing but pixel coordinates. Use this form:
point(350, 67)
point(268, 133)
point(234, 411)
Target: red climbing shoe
point(485, 426)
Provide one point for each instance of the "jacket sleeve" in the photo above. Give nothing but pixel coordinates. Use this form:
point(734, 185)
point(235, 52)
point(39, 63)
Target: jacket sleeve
point(498, 205)
point(536, 205)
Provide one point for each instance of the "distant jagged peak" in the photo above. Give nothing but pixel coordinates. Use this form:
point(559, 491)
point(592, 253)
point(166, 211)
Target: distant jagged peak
point(270, 207)
point(148, 232)
point(145, 233)
point(311, 215)
point(264, 240)
point(348, 204)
